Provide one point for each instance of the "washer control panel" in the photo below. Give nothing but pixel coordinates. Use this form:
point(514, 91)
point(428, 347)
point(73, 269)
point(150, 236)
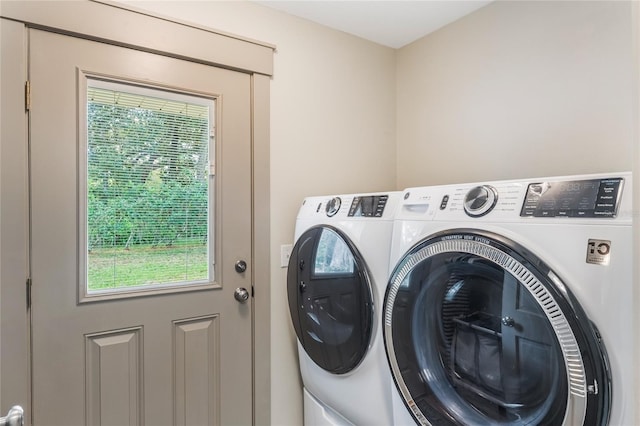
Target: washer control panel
point(573, 198)
point(595, 196)
point(480, 200)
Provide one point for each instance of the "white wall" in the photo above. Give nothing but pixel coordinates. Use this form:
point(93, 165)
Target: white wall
point(518, 89)
point(332, 131)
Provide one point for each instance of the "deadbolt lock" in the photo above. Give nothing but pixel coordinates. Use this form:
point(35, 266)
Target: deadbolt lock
point(241, 266)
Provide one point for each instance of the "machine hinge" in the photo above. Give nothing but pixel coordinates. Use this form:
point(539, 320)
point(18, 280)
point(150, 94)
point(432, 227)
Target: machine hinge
point(29, 293)
point(27, 95)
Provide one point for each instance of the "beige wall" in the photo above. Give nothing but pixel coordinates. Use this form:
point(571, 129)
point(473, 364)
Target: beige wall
point(636, 182)
point(518, 89)
point(332, 131)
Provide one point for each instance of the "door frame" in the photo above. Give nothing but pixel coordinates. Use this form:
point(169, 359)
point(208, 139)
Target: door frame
point(193, 43)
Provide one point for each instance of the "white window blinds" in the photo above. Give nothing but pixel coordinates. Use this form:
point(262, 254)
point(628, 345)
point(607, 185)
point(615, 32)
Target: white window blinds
point(148, 189)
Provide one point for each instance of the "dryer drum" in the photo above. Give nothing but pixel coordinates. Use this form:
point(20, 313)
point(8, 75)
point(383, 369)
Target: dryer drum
point(478, 331)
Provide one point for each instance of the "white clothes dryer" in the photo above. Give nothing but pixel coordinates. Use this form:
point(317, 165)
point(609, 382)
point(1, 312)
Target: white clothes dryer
point(338, 271)
point(510, 303)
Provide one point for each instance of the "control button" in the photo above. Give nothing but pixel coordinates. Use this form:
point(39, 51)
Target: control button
point(354, 205)
point(333, 205)
point(480, 200)
point(536, 189)
point(443, 203)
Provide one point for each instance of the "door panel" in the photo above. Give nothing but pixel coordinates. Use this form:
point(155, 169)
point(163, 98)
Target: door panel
point(173, 358)
point(114, 377)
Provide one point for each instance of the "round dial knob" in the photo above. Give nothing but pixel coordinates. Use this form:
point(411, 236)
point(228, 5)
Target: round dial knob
point(333, 205)
point(480, 200)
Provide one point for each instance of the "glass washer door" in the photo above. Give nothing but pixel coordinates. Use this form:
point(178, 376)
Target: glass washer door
point(330, 299)
point(478, 334)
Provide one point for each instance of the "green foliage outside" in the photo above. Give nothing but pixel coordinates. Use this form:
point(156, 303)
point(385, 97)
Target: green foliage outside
point(143, 265)
point(147, 195)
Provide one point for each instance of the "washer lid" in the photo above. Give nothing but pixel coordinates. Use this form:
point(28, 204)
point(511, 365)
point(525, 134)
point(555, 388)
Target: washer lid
point(479, 331)
point(330, 299)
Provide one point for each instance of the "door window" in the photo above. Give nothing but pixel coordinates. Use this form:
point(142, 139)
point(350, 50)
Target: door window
point(330, 299)
point(333, 256)
point(147, 191)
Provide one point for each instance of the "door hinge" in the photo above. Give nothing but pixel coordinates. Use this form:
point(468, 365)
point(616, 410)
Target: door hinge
point(28, 293)
point(27, 95)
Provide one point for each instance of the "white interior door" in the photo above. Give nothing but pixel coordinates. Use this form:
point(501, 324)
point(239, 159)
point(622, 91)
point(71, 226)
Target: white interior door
point(113, 348)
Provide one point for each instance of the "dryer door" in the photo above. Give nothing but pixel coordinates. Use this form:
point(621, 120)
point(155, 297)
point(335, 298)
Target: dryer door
point(330, 299)
point(479, 331)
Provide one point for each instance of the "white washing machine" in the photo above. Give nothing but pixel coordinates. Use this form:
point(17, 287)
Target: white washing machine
point(511, 303)
point(338, 271)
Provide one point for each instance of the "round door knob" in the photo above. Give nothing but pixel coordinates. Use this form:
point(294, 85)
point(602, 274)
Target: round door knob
point(15, 417)
point(241, 294)
point(241, 266)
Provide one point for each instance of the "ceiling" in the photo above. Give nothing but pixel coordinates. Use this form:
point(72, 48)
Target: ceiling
point(390, 23)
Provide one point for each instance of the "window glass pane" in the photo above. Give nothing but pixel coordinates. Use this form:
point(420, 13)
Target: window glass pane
point(148, 189)
point(333, 256)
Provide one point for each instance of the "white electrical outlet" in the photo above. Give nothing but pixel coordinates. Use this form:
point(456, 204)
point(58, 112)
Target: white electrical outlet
point(285, 254)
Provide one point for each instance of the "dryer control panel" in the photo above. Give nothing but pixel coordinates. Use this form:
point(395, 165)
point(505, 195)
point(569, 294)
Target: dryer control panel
point(368, 206)
point(591, 198)
point(351, 206)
